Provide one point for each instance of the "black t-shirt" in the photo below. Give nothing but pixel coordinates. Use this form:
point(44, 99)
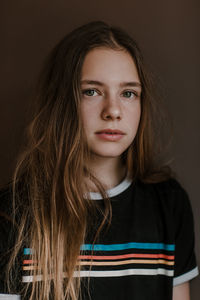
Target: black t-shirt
point(148, 248)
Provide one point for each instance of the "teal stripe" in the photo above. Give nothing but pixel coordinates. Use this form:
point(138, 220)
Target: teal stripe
point(28, 251)
point(113, 247)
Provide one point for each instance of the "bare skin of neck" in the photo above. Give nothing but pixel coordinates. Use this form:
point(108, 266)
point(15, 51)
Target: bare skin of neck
point(109, 171)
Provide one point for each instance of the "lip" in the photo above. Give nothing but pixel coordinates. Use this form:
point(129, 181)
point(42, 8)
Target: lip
point(111, 135)
point(108, 130)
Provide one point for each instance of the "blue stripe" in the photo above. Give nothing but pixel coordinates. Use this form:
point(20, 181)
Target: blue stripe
point(113, 247)
point(28, 251)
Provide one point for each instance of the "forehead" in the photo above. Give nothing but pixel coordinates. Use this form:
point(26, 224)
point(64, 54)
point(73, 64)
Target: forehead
point(108, 64)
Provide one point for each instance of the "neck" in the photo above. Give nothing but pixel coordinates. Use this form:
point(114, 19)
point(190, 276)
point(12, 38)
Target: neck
point(109, 171)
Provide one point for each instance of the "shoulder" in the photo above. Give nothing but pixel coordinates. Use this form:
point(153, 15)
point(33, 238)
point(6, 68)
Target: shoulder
point(12, 204)
point(170, 190)
point(171, 185)
point(6, 201)
point(173, 192)
point(7, 231)
point(10, 218)
point(6, 217)
point(8, 235)
point(168, 197)
point(6, 210)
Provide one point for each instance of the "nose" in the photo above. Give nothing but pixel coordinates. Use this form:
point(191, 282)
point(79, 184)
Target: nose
point(111, 109)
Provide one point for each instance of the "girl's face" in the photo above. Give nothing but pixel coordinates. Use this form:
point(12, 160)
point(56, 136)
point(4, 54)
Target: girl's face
point(110, 104)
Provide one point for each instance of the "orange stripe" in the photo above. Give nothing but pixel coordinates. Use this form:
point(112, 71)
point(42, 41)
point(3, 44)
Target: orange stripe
point(27, 268)
point(126, 262)
point(113, 257)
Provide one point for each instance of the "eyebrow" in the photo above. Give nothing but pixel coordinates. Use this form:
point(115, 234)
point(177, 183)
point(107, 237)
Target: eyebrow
point(122, 84)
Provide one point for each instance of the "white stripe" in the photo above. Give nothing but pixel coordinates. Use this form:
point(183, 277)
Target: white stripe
point(127, 272)
point(9, 297)
point(30, 278)
point(117, 273)
point(186, 277)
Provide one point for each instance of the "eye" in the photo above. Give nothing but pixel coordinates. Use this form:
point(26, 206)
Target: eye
point(130, 94)
point(90, 92)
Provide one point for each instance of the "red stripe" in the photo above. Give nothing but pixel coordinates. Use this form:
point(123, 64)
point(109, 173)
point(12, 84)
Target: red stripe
point(113, 257)
point(28, 262)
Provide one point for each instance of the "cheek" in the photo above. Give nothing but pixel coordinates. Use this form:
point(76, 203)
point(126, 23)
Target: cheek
point(133, 118)
point(138, 115)
point(87, 115)
point(87, 111)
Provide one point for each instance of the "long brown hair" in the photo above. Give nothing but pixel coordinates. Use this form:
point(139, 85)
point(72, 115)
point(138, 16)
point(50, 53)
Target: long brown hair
point(48, 180)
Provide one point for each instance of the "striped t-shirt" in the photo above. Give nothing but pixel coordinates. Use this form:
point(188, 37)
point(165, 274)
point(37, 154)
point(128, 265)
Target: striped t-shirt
point(148, 248)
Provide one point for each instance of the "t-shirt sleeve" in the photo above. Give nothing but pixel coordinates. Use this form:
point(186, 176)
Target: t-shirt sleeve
point(5, 228)
point(185, 261)
point(7, 242)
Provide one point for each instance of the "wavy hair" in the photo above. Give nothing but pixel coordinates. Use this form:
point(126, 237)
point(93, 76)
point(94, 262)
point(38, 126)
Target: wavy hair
point(48, 180)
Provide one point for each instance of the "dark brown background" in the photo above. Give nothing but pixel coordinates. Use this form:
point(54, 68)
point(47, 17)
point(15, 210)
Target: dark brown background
point(168, 34)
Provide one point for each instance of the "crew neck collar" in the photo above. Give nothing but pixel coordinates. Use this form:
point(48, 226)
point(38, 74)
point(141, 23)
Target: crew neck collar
point(118, 189)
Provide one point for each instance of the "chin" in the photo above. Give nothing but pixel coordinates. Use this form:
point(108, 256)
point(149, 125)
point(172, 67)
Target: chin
point(108, 150)
point(107, 154)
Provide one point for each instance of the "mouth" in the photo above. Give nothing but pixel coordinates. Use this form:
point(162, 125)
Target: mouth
point(111, 135)
point(110, 132)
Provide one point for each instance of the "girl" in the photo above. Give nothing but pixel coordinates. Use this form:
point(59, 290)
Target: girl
point(92, 213)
